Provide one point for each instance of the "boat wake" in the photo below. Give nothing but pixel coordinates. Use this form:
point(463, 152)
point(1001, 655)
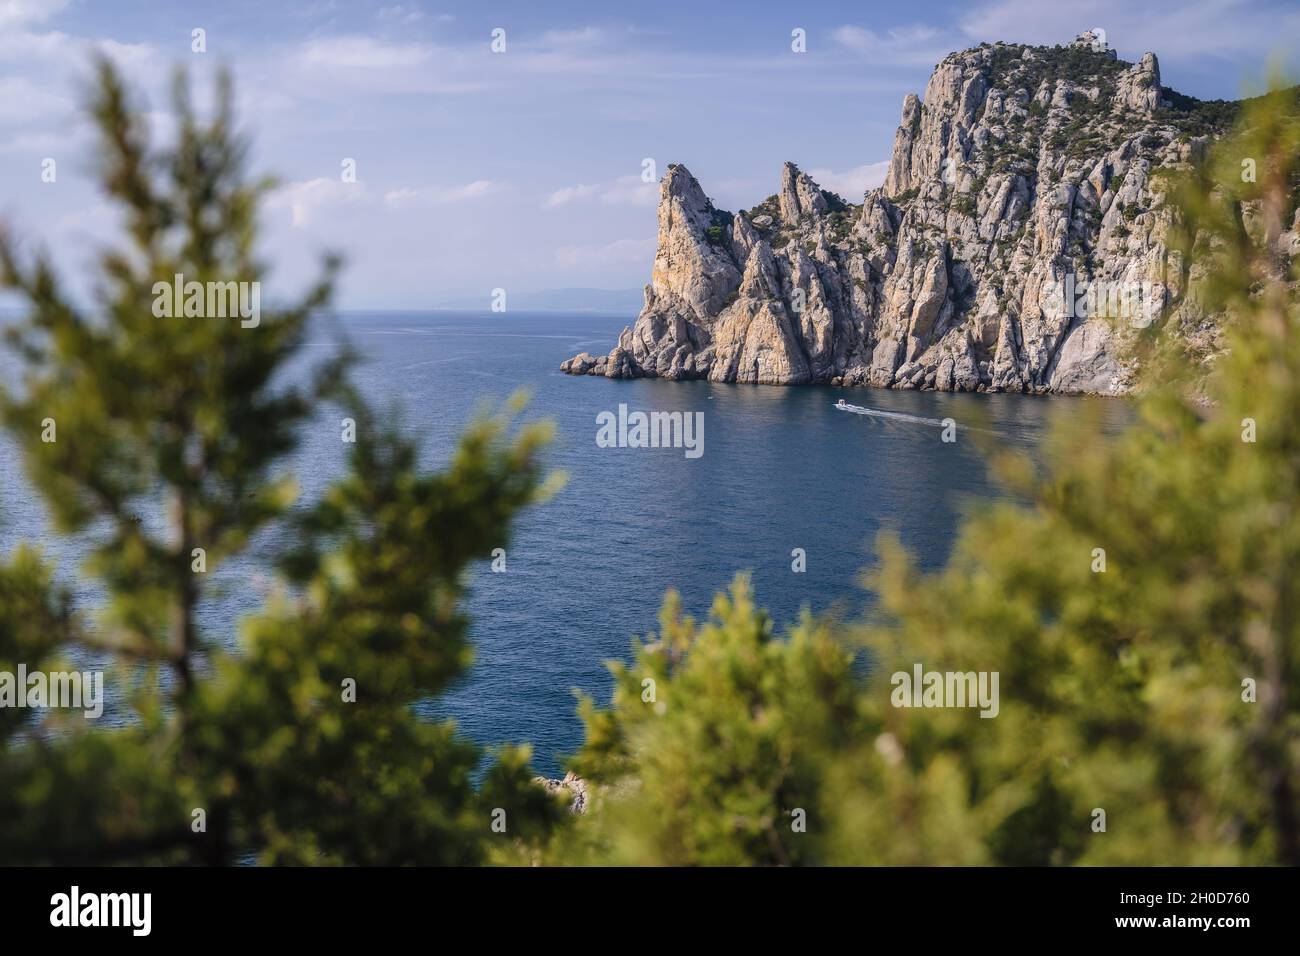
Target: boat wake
point(897, 416)
point(904, 417)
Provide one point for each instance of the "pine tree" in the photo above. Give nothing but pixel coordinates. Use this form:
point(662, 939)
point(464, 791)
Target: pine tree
point(157, 433)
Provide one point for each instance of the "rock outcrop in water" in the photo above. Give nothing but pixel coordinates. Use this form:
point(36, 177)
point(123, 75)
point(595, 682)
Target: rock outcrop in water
point(1025, 176)
point(575, 789)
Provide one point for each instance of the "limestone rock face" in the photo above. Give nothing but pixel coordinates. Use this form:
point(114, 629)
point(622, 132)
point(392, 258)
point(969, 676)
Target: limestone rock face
point(1019, 241)
point(573, 786)
point(899, 177)
point(1139, 87)
point(799, 197)
point(690, 272)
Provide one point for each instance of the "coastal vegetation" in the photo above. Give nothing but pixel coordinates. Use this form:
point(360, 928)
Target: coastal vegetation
point(1137, 598)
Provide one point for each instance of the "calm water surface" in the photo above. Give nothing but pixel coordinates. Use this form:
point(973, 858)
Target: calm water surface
point(782, 468)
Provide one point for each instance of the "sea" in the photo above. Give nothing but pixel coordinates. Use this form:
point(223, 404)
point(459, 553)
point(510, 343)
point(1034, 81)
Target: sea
point(786, 486)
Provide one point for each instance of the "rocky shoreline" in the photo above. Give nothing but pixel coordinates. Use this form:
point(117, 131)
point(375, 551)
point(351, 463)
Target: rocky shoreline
point(572, 784)
point(1023, 171)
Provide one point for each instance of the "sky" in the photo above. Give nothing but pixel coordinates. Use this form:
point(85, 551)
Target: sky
point(523, 169)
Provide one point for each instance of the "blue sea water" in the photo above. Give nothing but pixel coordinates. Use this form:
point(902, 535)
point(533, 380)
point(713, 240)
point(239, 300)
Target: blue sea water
point(782, 468)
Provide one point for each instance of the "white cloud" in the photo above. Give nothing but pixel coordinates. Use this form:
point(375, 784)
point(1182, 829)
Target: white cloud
point(620, 252)
point(305, 200)
point(58, 55)
point(401, 13)
point(349, 65)
point(127, 54)
point(858, 38)
point(562, 197)
point(631, 191)
point(914, 44)
point(22, 101)
point(32, 142)
point(362, 53)
point(623, 191)
point(14, 13)
point(851, 183)
point(582, 37)
point(63, 50)
point(438, 195)
point(21, 46)
point(47, 74)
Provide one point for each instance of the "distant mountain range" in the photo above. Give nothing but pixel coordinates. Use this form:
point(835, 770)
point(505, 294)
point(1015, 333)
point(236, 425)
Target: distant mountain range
point(559, 300)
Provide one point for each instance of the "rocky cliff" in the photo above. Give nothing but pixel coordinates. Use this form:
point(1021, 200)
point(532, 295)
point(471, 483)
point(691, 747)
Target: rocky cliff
point(1024, 176)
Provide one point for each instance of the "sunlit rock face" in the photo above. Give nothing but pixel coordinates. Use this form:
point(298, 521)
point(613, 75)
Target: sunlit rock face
point(1018, 242)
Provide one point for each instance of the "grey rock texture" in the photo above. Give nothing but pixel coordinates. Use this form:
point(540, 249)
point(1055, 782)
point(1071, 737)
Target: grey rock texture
point(1019, 170)
point(573, 786)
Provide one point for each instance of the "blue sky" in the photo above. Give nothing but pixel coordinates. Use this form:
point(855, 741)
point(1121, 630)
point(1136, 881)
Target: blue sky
point(522, 169)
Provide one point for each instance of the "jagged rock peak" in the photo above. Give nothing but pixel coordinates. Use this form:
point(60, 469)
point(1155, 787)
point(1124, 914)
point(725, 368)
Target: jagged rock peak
point(799, 195)
point(678, 182)
point(983, 96)
point(1139, 87)
point(1023, 176)
point(693, 265)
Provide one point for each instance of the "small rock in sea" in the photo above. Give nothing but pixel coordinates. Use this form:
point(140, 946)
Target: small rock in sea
point(575, 785)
